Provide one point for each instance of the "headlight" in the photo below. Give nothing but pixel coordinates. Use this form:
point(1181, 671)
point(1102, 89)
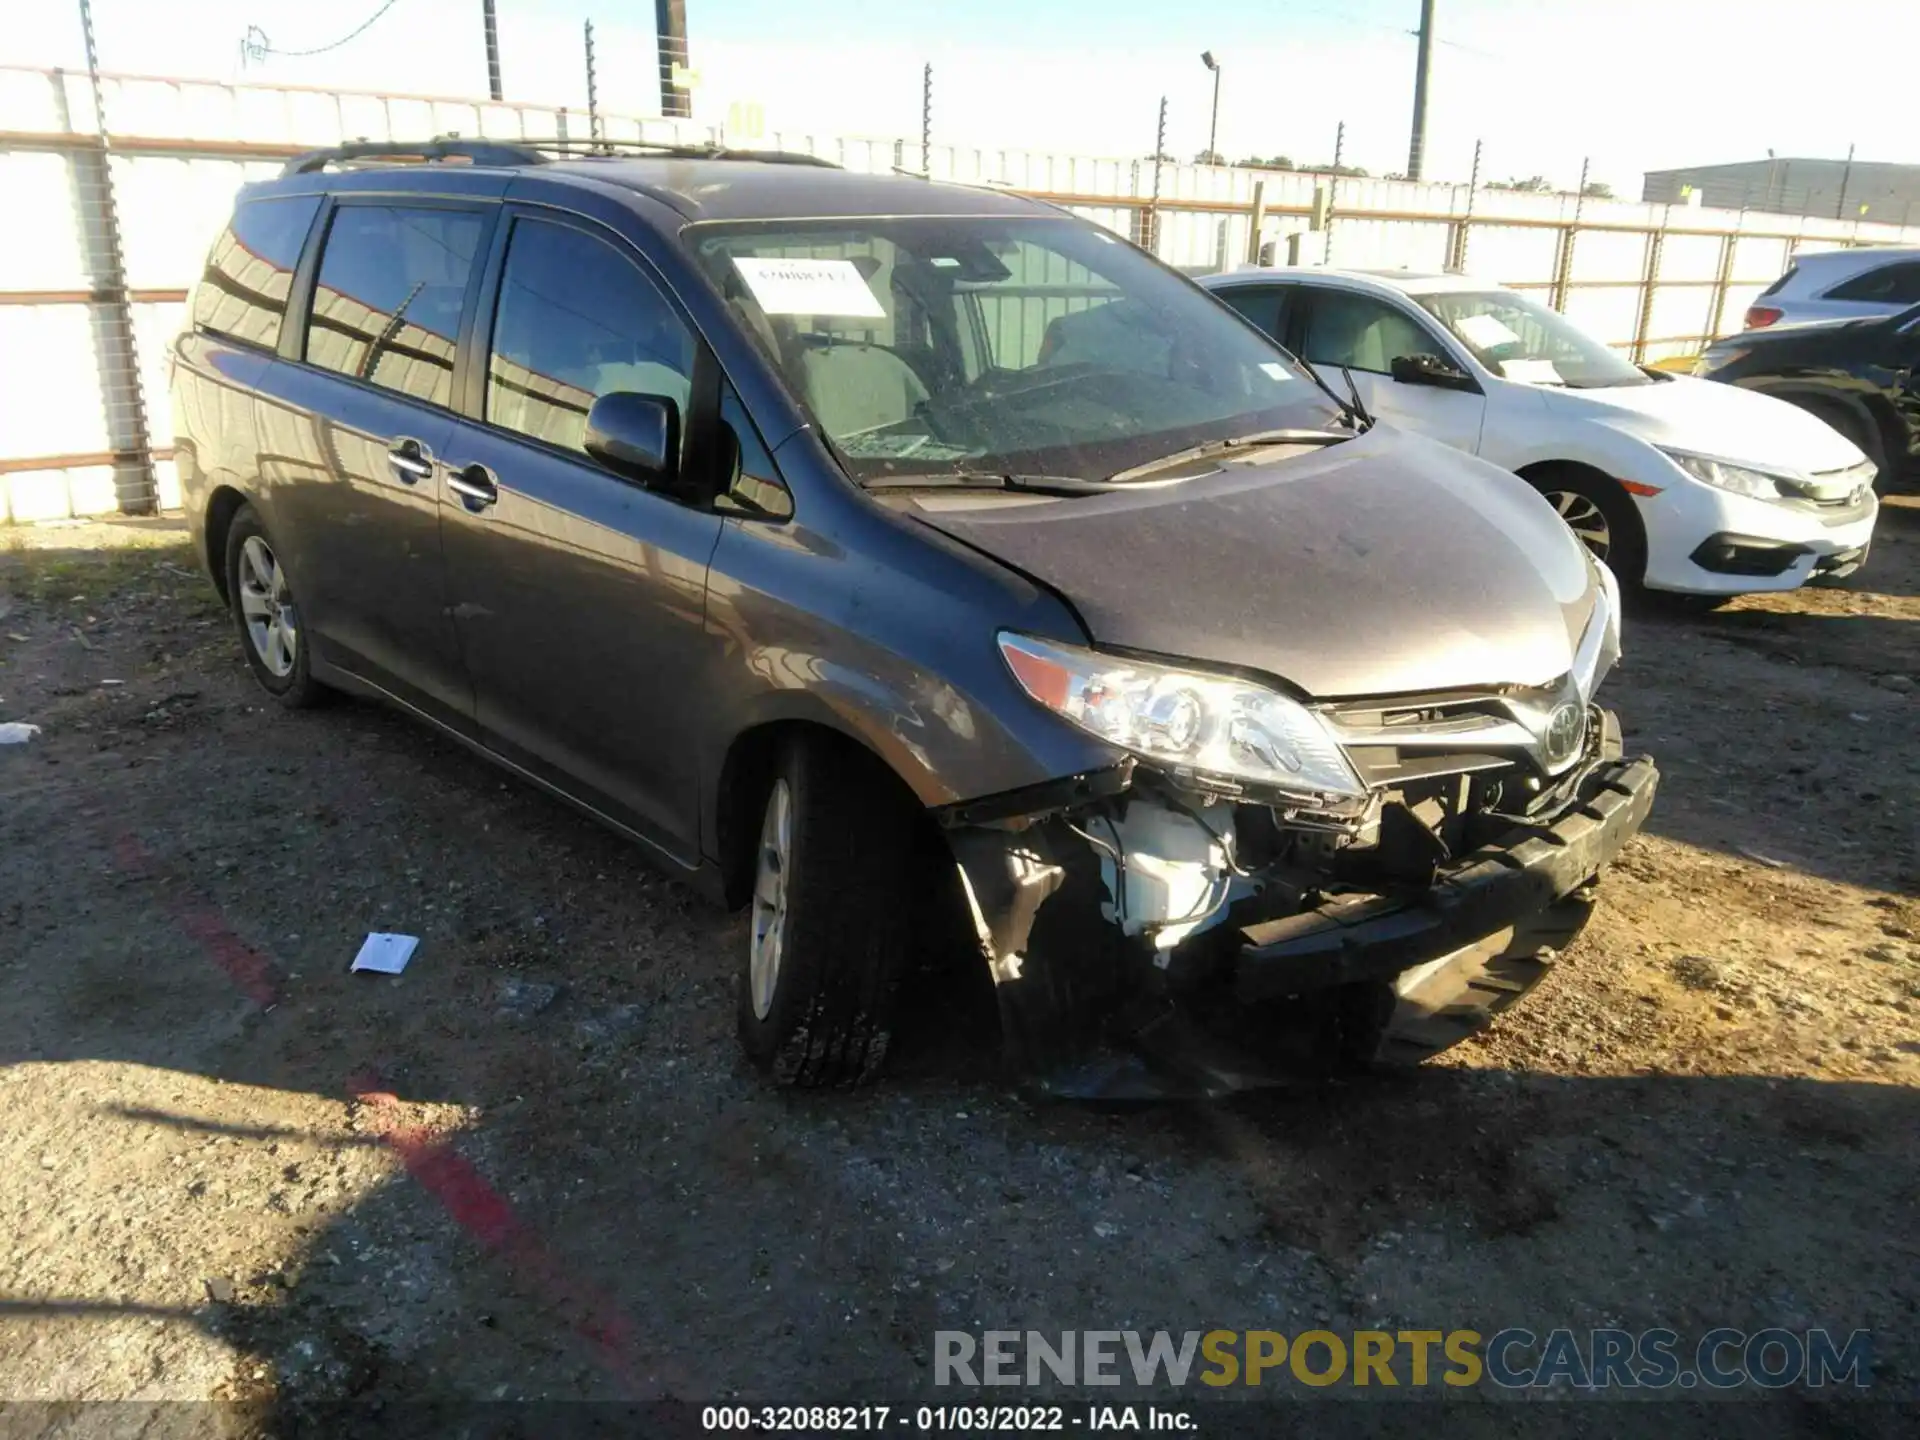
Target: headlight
point(1195, 724)
point(1739, 479)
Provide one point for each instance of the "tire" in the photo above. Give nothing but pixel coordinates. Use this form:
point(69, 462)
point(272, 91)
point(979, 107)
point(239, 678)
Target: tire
point(260, 595)
point(1601, 515)
point(838, 910)
point(1857, 429)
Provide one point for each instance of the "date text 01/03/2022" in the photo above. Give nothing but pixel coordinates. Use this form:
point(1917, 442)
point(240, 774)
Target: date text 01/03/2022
point(814, 1419)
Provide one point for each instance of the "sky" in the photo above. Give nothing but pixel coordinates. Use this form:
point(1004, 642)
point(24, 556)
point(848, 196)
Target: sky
point(1630, 85)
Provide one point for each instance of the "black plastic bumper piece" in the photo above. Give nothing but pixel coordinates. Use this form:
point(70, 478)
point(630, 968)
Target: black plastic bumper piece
point(1521, 874)
point(1746, 555)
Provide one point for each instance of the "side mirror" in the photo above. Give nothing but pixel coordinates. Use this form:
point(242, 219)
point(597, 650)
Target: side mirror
point(1430, 370)
point(635, 436)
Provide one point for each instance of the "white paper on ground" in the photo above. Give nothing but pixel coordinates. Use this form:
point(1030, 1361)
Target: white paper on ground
point(15, 733)
point(1483, 331)
point(1531, 372)
point(808, 287)
point(386, 954)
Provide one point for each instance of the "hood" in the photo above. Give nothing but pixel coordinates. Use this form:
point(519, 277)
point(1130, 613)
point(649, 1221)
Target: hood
point(1383, 565)
point(1717, 420)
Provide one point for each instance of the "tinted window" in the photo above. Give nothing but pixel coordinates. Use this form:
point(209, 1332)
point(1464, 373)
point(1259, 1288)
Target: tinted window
point(1264, 305)
point(1360, 332)
point(243, 291)
point(1889, 285)
point(386, 306)
point(577, 320)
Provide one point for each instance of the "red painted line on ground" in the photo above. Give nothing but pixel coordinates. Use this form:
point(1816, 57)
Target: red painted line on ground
point(470, 1202)
point(203, 923)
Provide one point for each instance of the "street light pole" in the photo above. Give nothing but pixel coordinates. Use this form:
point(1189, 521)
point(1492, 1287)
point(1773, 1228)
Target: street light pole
point(1213, 130)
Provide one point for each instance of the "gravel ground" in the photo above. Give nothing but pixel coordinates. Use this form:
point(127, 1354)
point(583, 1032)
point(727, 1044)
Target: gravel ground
point(534, 1165)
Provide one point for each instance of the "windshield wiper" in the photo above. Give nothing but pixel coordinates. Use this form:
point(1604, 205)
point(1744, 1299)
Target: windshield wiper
point(1354, 415)
point(1130, 478)
point(993, 480)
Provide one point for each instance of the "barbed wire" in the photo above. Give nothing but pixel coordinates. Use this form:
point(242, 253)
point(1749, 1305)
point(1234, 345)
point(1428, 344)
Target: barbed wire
point(256, 46)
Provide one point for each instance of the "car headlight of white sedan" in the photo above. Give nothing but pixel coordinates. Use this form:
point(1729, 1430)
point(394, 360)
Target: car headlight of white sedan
point(1755, 484)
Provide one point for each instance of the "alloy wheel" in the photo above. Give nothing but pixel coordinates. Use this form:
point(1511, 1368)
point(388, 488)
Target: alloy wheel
point(770, 898)
point(1585, 519)
point(266, 605)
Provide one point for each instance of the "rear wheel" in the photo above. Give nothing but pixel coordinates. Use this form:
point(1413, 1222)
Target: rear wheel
point(267, 615)
point(1601, 515)
point(837, 862)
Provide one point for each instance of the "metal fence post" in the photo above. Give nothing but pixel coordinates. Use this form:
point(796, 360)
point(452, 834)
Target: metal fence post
point(1457, 261)
point(1333, 185)
point(1152, 238)
point(593, 92)
point(1650, 283)
point(111, 310)
point(926, 121)
point(1563, 261)
point(1256, 218)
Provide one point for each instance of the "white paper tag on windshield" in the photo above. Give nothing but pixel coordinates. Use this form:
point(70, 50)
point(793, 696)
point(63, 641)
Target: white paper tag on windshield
point(808, 287)
point(1275, 370)
point(1483, 331)
point(1531, 372)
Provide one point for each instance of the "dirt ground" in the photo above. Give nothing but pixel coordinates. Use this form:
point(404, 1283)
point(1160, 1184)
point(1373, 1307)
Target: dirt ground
point(535, 1167)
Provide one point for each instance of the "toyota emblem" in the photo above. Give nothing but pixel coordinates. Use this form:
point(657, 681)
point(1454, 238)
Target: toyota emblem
point(1564, 729)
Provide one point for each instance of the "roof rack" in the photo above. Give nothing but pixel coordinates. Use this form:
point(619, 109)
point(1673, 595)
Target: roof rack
point(455, 149)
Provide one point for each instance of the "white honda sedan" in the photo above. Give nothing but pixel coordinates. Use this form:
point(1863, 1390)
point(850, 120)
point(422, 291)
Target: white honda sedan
point(1677, 484)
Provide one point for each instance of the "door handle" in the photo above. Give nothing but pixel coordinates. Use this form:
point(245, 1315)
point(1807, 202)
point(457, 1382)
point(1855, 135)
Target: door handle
point(410, 462)
point(475, 486)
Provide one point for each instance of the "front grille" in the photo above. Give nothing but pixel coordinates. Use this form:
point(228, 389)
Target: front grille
point(1415, 737)
point(1835, 488)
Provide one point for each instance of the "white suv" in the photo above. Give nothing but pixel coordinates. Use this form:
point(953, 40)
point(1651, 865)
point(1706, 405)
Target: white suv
point(1853, 284)
point(1677, 484)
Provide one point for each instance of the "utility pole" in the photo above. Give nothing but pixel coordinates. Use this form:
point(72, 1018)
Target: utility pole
point(1840, 205)
point(670, 21)
point(492, 23)
point(1213, 130)
point(926, 121)
point(1422, 74)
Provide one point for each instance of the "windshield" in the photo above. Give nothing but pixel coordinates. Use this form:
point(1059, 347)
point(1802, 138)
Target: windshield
point(1523, 340)
point(974, 344)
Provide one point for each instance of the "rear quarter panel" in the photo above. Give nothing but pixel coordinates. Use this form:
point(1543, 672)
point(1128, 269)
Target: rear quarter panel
point(216, 442)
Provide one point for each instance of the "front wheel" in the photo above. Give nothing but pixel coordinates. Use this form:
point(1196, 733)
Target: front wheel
point(1602, 517)
point(836, 866)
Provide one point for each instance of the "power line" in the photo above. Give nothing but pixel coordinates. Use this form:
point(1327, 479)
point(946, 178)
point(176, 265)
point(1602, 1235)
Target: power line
point(256, 45)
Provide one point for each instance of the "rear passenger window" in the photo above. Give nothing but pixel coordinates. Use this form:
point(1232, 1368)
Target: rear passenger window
point(577, 320)
point(243, 291)
point(386, 305)
point(1889, 285)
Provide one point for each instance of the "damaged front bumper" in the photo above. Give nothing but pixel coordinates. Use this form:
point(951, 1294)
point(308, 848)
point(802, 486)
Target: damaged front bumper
point(1139, 948)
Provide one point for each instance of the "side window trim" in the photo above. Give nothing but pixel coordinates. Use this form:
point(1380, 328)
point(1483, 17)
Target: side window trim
point(293, 333)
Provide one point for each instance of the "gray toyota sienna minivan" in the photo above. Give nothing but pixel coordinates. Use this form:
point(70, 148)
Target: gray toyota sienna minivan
point(900, 560)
